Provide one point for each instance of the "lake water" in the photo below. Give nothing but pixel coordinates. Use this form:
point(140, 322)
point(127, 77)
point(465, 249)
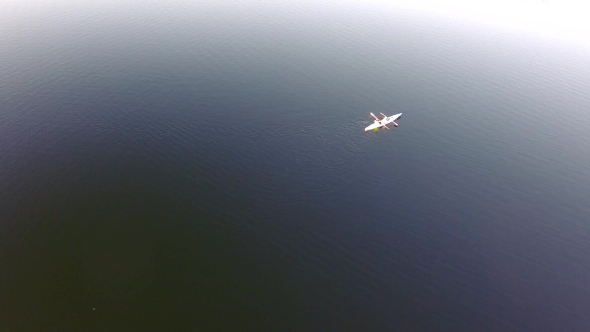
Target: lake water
point(203, 166)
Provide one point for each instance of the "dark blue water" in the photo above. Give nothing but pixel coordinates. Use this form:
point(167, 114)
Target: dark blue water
point(204, 167)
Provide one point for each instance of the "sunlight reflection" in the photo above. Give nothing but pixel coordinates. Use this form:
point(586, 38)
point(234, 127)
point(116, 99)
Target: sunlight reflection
point(566, 20)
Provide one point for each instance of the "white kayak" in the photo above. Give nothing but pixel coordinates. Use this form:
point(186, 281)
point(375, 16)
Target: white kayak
point(383, 122)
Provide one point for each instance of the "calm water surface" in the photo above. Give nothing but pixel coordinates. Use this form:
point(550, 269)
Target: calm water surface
point(204, 167)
